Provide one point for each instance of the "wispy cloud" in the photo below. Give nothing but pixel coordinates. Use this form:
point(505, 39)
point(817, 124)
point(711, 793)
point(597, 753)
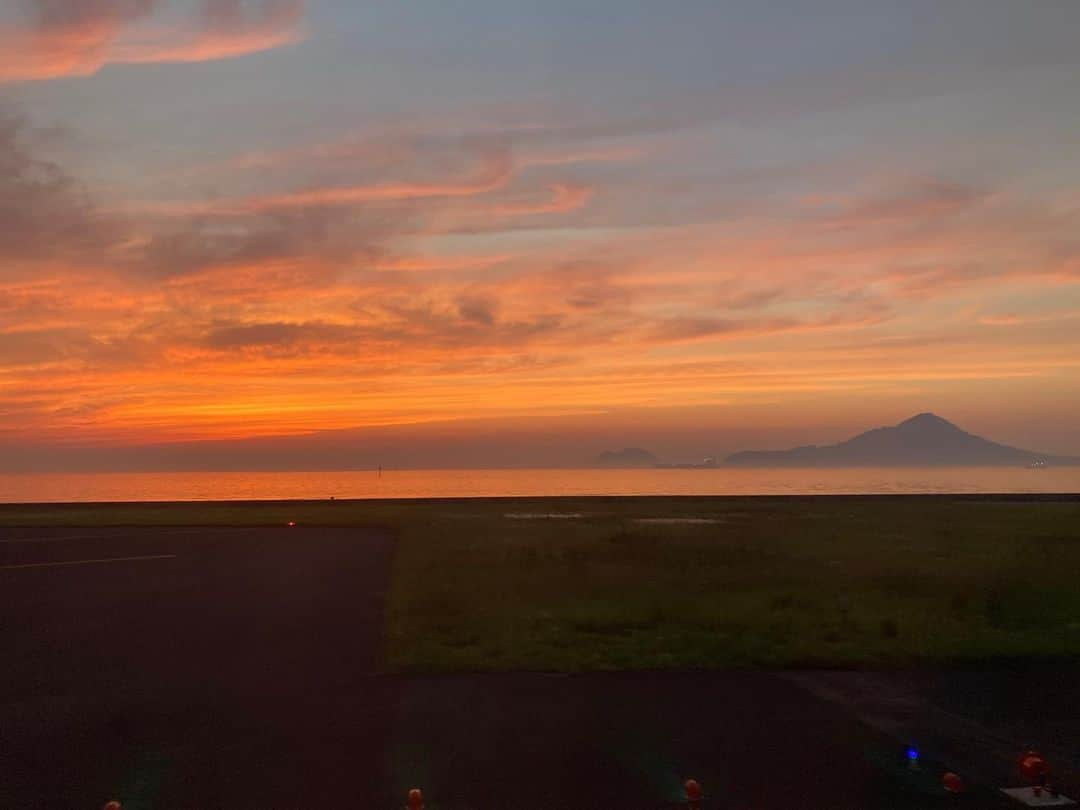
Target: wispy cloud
point(564, 197)
point(493, 174)
point(59, 38)
point(912, 203)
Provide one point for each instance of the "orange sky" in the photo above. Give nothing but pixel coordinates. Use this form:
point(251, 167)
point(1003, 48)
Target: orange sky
point(208, 233)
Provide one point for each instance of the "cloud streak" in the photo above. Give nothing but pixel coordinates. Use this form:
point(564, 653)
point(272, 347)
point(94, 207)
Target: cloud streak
point(60, 39)
point(564, 197)
point(493, 174)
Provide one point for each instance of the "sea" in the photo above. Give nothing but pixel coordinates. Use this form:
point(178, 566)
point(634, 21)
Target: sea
point(391, 483)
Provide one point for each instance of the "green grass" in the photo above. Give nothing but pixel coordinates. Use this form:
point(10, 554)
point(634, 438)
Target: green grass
point(770, 583)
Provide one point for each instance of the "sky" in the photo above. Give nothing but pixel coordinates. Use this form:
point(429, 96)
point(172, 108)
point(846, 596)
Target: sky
point(278, 233)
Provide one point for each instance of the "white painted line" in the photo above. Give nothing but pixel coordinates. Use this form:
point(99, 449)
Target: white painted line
point(89, 562)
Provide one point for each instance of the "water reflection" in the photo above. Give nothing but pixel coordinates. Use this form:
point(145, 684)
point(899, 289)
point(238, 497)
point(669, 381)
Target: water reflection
point(188, 486)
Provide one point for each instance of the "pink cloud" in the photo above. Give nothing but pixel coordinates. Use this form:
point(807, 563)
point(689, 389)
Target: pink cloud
point(564, 197)
point(421, 264)
point(72, 39)
point(911, 203)
point(496, 168)
point(491, 178)
point(1008, 319)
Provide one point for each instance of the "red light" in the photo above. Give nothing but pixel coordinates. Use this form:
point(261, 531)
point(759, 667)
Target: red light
point(693, 790)
point(1033, 767)
point(291, 523)
point(952, 783)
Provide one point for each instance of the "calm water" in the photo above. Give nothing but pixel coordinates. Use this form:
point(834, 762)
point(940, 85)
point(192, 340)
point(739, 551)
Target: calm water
point(473, 483)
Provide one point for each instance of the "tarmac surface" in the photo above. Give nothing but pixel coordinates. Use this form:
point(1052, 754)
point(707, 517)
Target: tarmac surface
point(198, 668)
point(238, 668)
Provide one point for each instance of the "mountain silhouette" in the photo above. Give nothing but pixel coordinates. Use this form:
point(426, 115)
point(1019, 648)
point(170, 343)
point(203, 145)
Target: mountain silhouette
point(922, 440)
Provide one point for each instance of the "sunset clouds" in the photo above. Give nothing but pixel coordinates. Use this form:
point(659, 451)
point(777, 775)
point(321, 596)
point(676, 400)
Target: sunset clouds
point(311, 244)
point(50, 39)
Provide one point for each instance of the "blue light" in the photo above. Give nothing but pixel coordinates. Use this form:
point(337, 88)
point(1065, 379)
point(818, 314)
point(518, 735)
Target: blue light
point(913, 753)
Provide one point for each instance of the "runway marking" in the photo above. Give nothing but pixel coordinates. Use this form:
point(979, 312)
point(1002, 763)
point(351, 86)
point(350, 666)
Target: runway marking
point(89, 562)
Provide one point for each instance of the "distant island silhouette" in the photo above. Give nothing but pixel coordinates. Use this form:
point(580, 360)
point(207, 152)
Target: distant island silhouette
point(922, 440)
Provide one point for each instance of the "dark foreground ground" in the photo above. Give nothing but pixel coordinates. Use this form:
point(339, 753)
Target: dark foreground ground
point(236, 673)
point(238, 668)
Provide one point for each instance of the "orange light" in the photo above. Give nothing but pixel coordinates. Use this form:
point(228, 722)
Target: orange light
point(291, 523)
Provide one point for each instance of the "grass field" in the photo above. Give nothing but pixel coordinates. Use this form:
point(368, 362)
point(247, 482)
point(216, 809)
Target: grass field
point(744, 582)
